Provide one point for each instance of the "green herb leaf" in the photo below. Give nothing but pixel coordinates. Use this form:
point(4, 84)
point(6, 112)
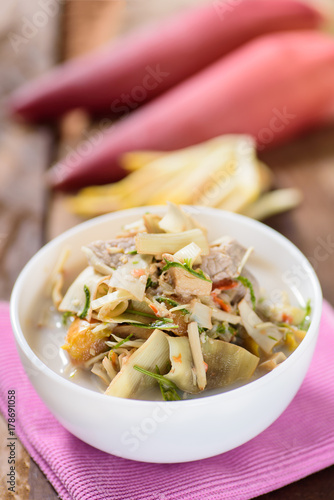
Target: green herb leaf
point(160, 323)
point(172, 303)
point(169, 393)
point(138, 325)
point(65, 317)
point(188, 263)
point(285, 325)
point(167, 387)
point(156, 324)
point(304, 325)
point(121, 342)
point(167, 300)
point(272, 338)
point(249, 285)
point(201, 329)
point(199, 273)
point(141, 313)
point(133, 252)
point(150, 283)
point(222, 329)
point(85, 309)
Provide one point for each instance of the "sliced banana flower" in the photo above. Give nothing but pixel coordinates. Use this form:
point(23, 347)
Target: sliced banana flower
point(124, 357)
point(177, 221)
point(220, 315)
point(129, 382)
point(222, 240)
point(196, 351)
point(99, 370)
point(101, 327)
point(201, 314)
point(244, 259)
point(95, 359)
point(110, 311)
point(75, 299)
point(180, 308)
point(190, 254)
point(153, 244)
point(111, 299)
point(108, 366)
point(132, 277)
point(182, 372)
point(151, 222)
point(265, 337)
point(102, 288)
point(134, 227)
point(127, 317)
point(129, 343)
point(272, 362)
point(227, 363)
point(143, 307)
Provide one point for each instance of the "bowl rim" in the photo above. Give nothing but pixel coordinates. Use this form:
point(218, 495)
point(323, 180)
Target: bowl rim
point(228, 394)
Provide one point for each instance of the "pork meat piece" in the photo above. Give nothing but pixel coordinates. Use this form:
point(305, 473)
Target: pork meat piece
point(105, 256)
point(223, 260)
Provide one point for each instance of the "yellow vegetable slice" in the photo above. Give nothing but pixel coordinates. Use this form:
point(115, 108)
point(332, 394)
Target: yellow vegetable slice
point(75, 298)
point(267, 336)
point(273, 203)
point(181, 372)
point(223, 173)
point(129, 383)
point(227, 363)
point(197, 355)
point(153, 244)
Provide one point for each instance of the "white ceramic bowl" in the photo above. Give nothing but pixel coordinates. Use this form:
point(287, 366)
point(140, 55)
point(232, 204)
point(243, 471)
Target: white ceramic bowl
point(178, 431)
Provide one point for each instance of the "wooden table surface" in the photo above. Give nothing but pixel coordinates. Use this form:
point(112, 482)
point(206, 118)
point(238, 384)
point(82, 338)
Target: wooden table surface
point(29, 214)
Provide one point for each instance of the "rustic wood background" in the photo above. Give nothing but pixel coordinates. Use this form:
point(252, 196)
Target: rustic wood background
point(30, 215)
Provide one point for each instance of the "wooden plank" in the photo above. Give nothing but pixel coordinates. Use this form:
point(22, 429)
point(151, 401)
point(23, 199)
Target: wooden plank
point(307, 163)
point(28, 47)
point(21, 468)
point(26, 50)
point(90, 24)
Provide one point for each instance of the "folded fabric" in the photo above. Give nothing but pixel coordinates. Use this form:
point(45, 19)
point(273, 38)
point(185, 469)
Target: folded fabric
point(299, 443)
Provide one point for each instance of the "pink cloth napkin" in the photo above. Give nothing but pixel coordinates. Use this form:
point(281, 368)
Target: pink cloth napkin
point(299, 443)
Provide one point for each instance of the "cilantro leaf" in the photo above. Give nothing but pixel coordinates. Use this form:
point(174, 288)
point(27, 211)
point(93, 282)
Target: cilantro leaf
point(248, 285)
point(199, 273)
point(85, 309)
point(167, 387)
